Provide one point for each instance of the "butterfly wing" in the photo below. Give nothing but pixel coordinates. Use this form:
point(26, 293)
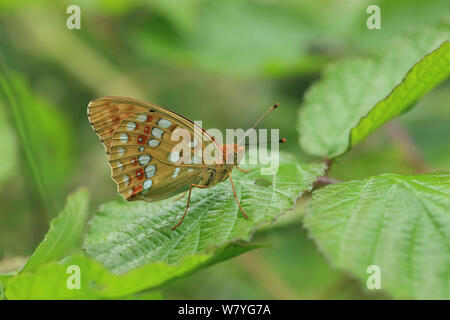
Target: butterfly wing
point(140, 148)
point(106, 114)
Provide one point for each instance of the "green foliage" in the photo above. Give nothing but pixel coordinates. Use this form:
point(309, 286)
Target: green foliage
point(220, 62)
point(8, 147)
point(427, 121)
point(44, 277)
point(65, 232)
point(44, 138)
point(273, 272)
point(3, 279)
point(250, 38)
point(191, 247)
point(211, 43)
point(363, 88)
point(397, 17)
point(424, 76)
point(50, 281)
point(400, 223)
point(126, 235)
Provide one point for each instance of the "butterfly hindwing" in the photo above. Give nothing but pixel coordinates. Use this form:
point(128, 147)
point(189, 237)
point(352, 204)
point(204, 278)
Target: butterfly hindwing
point(106, 114)
point(142, 162)
point(138, 139)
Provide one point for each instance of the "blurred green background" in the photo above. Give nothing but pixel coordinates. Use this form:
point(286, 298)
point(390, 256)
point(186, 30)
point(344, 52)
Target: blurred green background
point(222, 62)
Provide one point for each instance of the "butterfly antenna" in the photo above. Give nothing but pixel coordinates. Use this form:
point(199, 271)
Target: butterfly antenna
point(258, 121)
point(283, 140)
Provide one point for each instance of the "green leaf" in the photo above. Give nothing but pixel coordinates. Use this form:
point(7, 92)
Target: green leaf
point(50, 281)
point(8, 146)
point(377, 89)
point(44, 136)
point(424, 76)
point(182, 13)
point(65, 231)
point(126, 235)
point(400, 223)
point(152, 295)
point(3, 279)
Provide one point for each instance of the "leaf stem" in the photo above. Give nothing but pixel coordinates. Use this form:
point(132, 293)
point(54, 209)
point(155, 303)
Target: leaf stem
point(324, 181)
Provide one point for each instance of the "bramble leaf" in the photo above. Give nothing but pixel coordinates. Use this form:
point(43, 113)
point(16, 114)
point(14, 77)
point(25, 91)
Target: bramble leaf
point(400, 223)
point(8, 146)
point(59, 280)
point(65, 231)
point(423, 77)
point(357, 96)
point(126, 235)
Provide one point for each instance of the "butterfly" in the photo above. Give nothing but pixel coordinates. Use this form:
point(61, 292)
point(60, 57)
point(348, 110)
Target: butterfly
point(143, 156)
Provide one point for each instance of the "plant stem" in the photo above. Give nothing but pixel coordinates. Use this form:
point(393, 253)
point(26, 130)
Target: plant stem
point(324, 181)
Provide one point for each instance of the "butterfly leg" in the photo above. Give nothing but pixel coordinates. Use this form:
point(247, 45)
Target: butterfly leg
point(187, 206)
point(235, 196)
point(243, 170)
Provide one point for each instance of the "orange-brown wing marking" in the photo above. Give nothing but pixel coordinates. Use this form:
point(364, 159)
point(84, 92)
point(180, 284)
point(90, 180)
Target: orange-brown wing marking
point(137, 138)
point(141, 159)
point(131, 105)
point(106, 114)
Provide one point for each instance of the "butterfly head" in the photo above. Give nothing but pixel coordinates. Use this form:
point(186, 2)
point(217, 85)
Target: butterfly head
point(232, 153)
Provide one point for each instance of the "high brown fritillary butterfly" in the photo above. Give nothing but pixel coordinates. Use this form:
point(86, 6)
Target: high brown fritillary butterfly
point(137, 136)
